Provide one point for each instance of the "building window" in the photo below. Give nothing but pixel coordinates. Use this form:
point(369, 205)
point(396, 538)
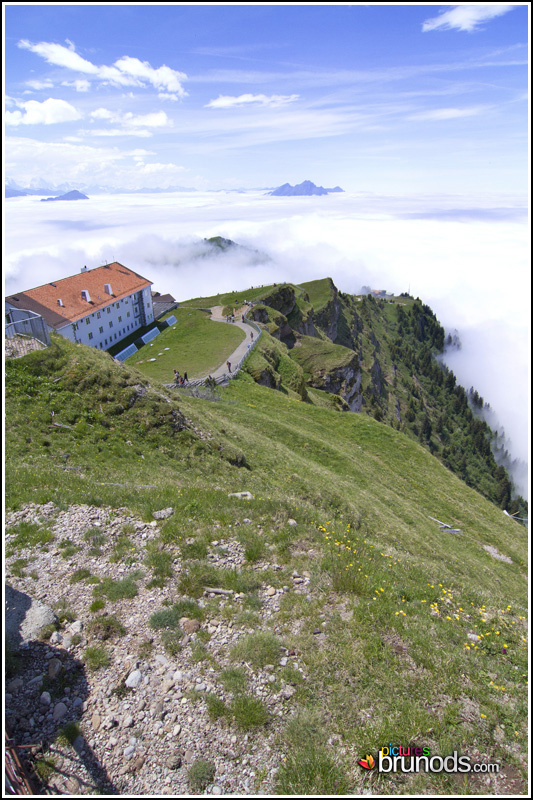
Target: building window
point(90, 335)
point(111, 324)
point(98, 315)
point(120, 319)
point(87, 321)
point(128, 314)
point(100, 329)
point(109, 309)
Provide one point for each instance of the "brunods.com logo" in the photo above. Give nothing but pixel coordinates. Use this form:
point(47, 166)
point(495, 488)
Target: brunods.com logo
point(414, 759)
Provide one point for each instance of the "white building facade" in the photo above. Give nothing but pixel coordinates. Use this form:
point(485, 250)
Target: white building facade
point(97, 307)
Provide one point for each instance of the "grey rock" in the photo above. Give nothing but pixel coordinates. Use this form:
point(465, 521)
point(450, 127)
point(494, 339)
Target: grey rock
point(134, 679)
point(25, 617)
point(45, 699)
point(173, 761)
point(60, 710)
point(54, 668)
point(163, 514)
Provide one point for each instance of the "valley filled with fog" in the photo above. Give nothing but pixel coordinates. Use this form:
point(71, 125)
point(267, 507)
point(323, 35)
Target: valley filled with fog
point(466, 257)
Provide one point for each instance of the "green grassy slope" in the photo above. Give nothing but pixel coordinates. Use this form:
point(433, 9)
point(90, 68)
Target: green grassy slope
point(397, 601)
point(195, 345)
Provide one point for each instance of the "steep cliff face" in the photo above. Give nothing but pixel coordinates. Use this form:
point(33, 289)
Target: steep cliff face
point(343, 381)
point(281, 299)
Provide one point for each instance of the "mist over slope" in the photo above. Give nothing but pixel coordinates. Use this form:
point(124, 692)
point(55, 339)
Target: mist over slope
point(471, 268)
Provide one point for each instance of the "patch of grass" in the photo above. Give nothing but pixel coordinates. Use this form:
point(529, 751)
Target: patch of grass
point(201, 774)
point(171, 641)
point(259, 649)
point(29, 534)
point(254, 549)
point(122, 550)
point(69, 733)
point(17, 567)
point(248, 712)
point(96, 657)
point(170, 617)
point(97, 605)
point(160, 562)
point(46, 631)
point(44, 768)
point(68, 548)
point(114, 590)
point(96, 538)
point(63, 611)
point(80, 575)
point(216, 707)
point(309, 768)
point(145, 648)
point(234, 680)
point(196, 346)
point(106, 627)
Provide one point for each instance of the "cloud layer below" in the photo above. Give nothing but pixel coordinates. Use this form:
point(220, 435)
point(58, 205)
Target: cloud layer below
point(466, 258)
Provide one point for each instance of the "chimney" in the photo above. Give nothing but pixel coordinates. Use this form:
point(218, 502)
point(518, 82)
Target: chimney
point(107, 289)
point(83, 269)
point(85, 295)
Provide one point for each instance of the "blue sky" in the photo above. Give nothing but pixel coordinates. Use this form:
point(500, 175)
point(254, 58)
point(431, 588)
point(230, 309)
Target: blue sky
point(375, 98)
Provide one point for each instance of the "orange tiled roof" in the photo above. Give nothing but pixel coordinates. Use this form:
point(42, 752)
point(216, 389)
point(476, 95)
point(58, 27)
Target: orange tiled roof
point(123, 282)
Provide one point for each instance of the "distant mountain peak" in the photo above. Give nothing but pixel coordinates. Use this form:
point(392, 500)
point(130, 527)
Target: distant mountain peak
point(305, 189)
point(74, 195)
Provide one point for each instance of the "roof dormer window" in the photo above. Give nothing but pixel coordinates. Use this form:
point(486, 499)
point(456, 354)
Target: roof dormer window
point(85, 295)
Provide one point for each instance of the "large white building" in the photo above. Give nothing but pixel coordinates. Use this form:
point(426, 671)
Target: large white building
point(98, 307)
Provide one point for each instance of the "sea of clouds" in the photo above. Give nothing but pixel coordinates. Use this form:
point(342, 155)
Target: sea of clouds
point(467, 258)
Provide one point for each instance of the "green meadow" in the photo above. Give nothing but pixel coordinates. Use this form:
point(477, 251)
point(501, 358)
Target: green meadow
point(422, 631)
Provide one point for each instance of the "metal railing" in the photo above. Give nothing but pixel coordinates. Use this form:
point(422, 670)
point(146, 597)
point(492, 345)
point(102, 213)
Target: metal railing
point(24, 331)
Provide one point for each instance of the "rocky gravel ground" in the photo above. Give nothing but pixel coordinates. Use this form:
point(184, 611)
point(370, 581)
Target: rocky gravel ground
point(142, 724)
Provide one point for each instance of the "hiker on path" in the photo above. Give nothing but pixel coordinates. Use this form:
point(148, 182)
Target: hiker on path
point(176, 377)
point(228, 365)
point(252, 335)
point(185, 378)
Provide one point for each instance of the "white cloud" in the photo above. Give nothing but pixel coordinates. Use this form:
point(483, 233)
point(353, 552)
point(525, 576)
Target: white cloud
point(467, 17)
point(141, 133)
point(127, 71)
point(38, 85)
point(157, 119)
point(49, 112)
point(448, 113)
point(79, 85)
point(82, 164)
point(131, 124)
point(274, 101)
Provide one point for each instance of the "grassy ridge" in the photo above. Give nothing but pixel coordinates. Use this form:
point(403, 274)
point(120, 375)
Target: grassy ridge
point(397, 600)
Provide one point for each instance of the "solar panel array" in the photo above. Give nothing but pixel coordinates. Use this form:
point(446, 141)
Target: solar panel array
point(171, 320)
point(126, 353)
point(150, 335)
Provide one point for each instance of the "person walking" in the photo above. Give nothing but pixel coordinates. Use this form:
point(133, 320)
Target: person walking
point(228, 365)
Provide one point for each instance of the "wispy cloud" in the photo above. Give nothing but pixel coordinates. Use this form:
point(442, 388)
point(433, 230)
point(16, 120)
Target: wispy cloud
point(449, 113)
point(130, 124)
point(49, 112)
point(127, 71)
point(467, 17)
point(274, 100)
